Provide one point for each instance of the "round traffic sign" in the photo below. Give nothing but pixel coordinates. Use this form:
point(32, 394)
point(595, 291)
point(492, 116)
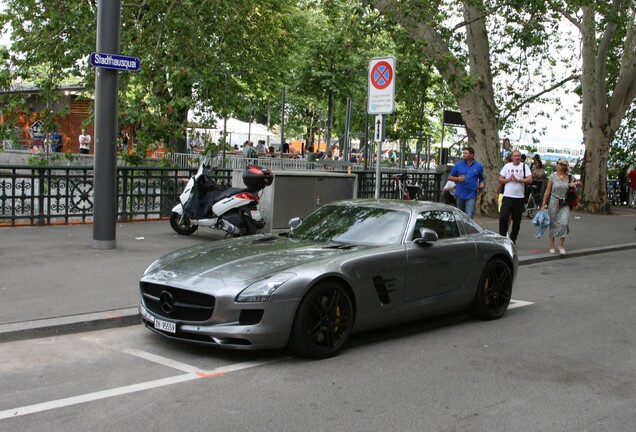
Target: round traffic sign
point(381, 75)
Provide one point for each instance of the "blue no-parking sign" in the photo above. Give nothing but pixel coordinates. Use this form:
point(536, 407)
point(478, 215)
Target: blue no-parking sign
point(381, 95)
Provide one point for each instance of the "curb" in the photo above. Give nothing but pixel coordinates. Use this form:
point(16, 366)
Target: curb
point(69, 324)
point(130, 316)
point(545, 257)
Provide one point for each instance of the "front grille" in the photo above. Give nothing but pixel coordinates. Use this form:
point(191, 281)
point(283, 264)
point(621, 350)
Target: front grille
point(176, 303)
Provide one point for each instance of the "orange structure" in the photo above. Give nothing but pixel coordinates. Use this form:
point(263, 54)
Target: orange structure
point(76, 111)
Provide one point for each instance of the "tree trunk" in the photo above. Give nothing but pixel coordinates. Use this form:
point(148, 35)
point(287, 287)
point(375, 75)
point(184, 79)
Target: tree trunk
point(593, 194)
point(602, 110)
point(477, 104)
point(481, 128)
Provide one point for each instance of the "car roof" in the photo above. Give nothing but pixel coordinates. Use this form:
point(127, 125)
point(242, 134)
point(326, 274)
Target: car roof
point(394, 204)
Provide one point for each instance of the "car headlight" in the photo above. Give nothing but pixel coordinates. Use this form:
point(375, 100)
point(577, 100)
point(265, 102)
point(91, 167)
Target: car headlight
point(261, 290)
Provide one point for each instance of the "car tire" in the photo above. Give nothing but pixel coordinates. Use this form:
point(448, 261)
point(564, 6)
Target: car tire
point(184, 228)
point(323, 322)
point(493, 291)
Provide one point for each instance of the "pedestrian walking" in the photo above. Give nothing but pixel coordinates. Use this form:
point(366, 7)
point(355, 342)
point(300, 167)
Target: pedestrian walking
point(514, 176)
point(558, 209)
point(631, 199)
point(538, 174)
point(468, 175)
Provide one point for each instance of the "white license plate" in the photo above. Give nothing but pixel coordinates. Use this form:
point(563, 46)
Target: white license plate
point(165, 326)
point(256, 215)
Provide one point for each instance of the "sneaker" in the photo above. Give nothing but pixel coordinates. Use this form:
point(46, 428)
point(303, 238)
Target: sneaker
point(552, 251)
point(562, 251)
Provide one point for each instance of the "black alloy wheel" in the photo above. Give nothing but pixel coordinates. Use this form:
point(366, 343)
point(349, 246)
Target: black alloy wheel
point(323, 322)
point(183, 228)
point(493, 292)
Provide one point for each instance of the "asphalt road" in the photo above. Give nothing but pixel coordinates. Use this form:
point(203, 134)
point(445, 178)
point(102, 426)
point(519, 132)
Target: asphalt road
point(566, 361)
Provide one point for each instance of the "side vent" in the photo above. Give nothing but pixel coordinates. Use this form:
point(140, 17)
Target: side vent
point(381, 290)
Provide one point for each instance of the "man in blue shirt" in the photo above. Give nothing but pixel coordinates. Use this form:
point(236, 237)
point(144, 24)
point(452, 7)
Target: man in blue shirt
point(468, 175)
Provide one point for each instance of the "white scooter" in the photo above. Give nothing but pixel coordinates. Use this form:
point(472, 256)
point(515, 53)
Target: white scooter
point(232, 210)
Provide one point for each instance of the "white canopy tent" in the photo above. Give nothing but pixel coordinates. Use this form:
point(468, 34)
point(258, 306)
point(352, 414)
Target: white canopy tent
point(237, 132)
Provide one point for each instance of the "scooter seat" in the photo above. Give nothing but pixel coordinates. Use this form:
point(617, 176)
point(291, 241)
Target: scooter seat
point(222, 194)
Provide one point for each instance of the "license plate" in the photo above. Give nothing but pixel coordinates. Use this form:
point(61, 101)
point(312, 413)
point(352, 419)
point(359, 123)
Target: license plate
point(165, 326)
point(256, 215)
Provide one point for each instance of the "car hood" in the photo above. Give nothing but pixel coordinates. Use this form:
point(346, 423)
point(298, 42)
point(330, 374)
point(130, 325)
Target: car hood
point(246, 258)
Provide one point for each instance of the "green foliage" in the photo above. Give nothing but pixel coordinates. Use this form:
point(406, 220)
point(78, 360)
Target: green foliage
point(8, 135)
point(622, 153)
point(136, 158)
point(165, 163)
point(38, 158)
point(41, 158)
point(192, 53)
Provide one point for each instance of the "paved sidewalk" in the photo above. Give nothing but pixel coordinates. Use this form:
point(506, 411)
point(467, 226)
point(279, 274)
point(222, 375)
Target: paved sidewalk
point(53, 282)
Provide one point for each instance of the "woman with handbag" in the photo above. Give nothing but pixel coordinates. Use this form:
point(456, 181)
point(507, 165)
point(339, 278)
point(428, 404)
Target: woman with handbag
point(558, 209)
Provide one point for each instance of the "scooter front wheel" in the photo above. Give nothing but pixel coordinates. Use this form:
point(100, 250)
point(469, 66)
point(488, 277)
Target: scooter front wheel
point(183, 228)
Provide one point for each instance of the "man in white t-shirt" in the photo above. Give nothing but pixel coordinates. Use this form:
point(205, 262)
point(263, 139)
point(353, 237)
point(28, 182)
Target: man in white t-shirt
point(514, 176)
point(84, 142)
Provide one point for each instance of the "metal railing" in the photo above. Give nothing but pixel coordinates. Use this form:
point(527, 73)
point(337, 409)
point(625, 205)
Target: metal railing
point(63, 195)
point(275, 162)
point(429, 184)
point(51, 195)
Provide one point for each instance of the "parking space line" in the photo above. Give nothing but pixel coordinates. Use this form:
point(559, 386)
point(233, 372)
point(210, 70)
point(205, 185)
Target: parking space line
point(119, 391)
point(89, 397)
point(518, 303)
point(183, 367)
point(245, 365)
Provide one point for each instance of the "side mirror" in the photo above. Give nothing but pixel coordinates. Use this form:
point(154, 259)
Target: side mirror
point(427, 235)
point(295, 222)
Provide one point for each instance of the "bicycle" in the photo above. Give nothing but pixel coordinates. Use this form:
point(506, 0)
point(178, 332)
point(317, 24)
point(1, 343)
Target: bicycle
point(403, 190)
point(531, 207)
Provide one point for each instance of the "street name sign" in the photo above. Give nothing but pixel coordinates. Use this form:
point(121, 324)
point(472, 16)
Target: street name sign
point(114, 61)
point(381, 94)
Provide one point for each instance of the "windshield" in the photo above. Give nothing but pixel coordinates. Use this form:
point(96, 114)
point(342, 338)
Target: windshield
point(348, 224)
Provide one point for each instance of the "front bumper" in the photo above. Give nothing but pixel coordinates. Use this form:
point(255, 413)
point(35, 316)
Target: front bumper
point(271, 331)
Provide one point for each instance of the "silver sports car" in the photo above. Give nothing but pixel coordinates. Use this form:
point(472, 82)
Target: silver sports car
point(348, 267)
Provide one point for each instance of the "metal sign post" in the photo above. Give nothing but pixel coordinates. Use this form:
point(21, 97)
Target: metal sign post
point(106, 101)
point(107, 63)
point(379, 138)
point(380, 100)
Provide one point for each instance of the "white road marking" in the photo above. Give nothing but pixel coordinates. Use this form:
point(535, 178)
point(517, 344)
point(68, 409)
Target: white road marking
point(90, 397)
point(183, 367)
point(518, 303)
point(60, 403)
point(193, 373)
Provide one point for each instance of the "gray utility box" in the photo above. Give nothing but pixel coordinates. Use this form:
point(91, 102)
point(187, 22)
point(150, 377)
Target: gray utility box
point(298, 193)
